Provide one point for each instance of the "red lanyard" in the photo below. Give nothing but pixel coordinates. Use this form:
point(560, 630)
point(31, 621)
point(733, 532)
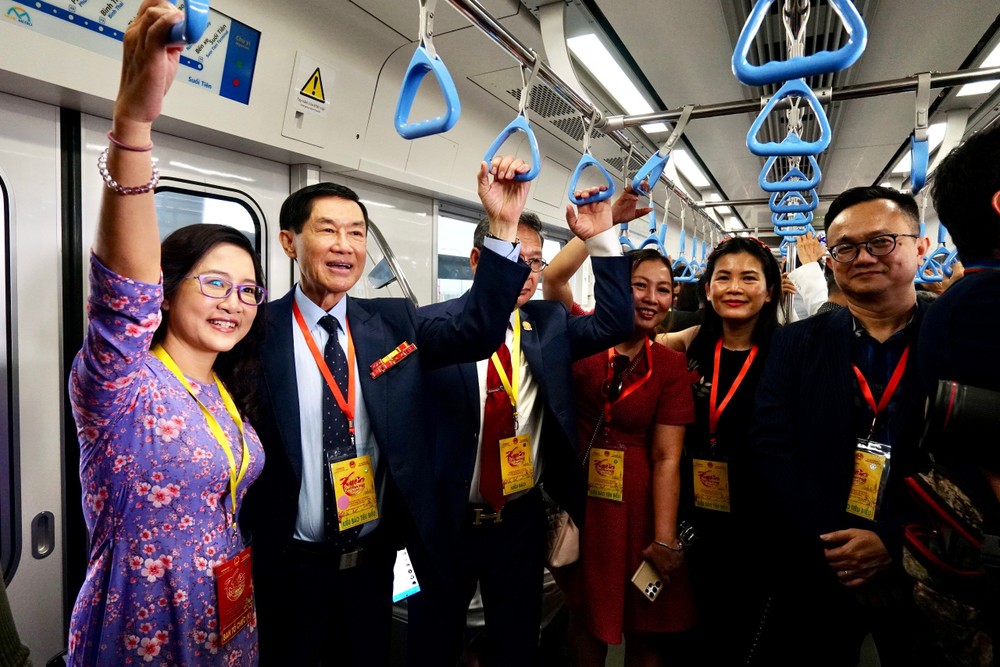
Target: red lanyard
point(890, 389)
point(632, 387)
point(347, 407)
point(714, 409)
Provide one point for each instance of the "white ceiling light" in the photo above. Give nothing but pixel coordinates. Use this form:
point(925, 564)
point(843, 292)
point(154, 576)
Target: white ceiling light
point(982, 87)
point(935, 135)
point(724, 210)
point(605, 69)
point(688, 169)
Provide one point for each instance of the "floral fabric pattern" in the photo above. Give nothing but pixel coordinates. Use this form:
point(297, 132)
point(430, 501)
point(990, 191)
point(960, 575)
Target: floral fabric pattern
point(156, 494)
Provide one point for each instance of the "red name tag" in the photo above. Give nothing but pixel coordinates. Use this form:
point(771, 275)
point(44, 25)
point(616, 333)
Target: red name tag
point(234, 590)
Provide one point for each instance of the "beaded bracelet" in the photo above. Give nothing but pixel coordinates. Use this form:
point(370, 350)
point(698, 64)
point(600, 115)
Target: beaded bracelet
point(680, 546)
point(127, 147)
point(112, 184)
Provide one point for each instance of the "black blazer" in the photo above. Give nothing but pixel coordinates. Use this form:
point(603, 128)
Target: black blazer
point(394, 400)
point(803, 439)
point(550, 346)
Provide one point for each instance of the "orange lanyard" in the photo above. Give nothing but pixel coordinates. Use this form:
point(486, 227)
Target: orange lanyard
point(632, 387)
point(714, 409)
point(346, 406)
point(890, 389)
point(235, 477)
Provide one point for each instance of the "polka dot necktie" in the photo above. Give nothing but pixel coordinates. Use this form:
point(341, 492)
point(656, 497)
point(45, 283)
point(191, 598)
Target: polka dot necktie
point(336, 436)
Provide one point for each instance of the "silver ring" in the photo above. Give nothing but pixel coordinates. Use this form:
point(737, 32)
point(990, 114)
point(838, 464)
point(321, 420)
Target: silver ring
point(845, 573)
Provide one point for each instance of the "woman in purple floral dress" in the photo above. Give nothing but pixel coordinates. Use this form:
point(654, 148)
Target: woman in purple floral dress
point(166, 457)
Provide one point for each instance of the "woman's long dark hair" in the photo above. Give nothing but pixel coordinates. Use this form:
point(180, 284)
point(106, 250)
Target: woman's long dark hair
point(703, 346)
point(239, 368)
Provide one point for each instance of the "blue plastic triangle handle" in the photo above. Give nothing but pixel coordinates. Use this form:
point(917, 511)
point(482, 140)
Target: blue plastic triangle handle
point(799, 67)
point(587, 160)
point(783, 204)
point(624, 240)
point(791, 219)
point(194, 24)
point(792, 144)
point(919, 156)
point(794, 179)
point(519, 124)
point(649, 172)
point(420, 64)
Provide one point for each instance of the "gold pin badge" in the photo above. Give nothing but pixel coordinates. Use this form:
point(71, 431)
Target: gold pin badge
point(526, 326)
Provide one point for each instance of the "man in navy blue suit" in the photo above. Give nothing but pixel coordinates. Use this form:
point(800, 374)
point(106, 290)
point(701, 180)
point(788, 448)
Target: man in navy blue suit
point(836, 430)
point(496, 534)
point(323, 571)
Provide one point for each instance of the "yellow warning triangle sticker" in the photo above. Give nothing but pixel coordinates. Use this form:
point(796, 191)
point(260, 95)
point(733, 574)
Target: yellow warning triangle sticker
point(314, 87)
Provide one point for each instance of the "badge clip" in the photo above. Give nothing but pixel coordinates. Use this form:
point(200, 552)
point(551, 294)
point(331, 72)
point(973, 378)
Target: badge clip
point(402, 351)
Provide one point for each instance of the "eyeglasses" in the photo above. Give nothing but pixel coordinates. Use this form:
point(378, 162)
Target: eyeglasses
point(536, 264)
point(217, 287)
point(877, 246)
point(614, 386)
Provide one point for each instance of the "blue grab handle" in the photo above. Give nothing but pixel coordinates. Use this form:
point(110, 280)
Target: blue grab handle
point(919, 155)
point(786, 183)
point(587, 160)
point(419, 66)
point(799, 67)
point(781, 205)
point(795, 220)
point(649, 172)
point(935, 268)
point(519, 124)
point(793, 143)
point(194, 24)
point(657, 237)
point(942, 230)
point(948, 265)
point(624, 240)
point(786, 232)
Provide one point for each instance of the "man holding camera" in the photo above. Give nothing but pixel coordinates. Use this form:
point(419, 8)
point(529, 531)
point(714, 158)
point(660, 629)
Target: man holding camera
point(839, 503)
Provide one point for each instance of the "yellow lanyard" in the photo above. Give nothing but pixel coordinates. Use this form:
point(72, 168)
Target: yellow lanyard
point(213, 423)
point(515, 365)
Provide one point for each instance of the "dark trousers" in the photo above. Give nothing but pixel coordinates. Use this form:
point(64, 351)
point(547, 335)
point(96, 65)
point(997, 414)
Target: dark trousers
point(815, 620)
point(507, 559)
point(310, 612)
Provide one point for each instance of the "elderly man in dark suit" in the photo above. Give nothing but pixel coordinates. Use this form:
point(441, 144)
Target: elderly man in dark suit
point(495, 526)
point(840, 400)
point(348, 475)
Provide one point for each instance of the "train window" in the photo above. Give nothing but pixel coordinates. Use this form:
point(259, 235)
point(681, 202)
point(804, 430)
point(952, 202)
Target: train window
point(455, 230)
point(176, 208)
point(10, 545)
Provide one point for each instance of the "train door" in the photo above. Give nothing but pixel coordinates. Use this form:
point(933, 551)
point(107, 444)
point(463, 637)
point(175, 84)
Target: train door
point(30, 372)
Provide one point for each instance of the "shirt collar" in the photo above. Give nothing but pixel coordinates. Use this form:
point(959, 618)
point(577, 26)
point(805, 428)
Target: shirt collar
point(312, 313)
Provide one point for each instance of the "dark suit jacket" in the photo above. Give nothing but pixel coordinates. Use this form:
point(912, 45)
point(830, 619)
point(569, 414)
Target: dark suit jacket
point(553, 342)
point(803, 439)
point(394, 400)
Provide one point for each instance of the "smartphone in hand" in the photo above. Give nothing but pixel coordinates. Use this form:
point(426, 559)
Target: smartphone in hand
point(647, 580)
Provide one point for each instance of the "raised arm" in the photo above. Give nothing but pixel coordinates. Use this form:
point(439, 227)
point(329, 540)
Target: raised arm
point(572, 256)
point(128, 241)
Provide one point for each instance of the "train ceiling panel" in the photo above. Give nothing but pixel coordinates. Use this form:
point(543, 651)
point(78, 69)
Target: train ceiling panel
point(402, 15)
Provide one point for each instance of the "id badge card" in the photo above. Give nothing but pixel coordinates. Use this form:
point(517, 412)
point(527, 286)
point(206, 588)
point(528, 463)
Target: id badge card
point(871, 472)
point(234, 592)
point(516, 469)
point(606, 474)
point(354, 488)
point(711, 485)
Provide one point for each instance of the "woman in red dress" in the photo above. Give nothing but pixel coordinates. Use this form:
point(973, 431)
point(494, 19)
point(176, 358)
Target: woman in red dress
point(633, 402)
